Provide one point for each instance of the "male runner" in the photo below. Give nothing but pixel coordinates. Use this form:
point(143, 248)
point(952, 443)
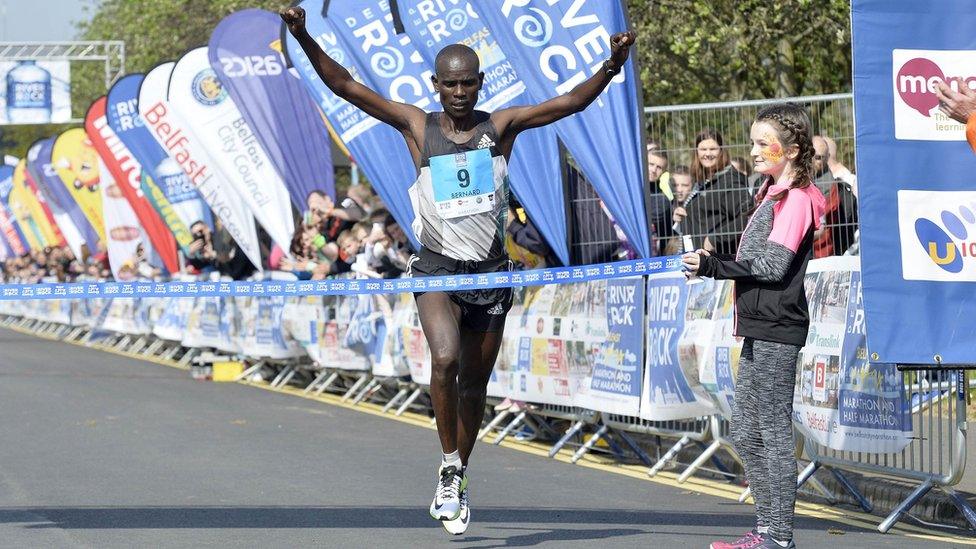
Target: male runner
point(460, 198)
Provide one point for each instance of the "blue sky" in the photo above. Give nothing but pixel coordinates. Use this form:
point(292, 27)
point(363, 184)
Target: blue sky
point(42, 20)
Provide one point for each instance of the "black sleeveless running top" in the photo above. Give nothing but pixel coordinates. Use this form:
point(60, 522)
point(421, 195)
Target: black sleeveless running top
point(460, 198)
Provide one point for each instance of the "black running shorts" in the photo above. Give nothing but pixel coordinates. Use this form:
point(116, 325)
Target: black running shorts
point(482, 310)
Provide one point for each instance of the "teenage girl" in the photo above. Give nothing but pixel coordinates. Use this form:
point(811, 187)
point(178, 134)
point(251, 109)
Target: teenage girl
point(771, 315)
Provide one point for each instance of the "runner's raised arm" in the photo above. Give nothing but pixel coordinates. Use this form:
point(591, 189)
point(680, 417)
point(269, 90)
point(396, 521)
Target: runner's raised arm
point(401, 116)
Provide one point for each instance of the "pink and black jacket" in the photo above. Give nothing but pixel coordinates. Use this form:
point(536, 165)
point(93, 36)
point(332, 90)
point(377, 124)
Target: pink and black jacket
point(770, 265)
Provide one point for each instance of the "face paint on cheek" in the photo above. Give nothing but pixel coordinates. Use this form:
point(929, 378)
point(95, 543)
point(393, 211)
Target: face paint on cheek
point(772, 153)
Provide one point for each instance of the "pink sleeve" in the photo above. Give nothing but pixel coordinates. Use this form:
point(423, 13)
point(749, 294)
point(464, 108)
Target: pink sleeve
point(792, 218)
point(276, 254)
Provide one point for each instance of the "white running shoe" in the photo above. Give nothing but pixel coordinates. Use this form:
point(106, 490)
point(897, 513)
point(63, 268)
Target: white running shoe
point(447, 495)
point(460, 525)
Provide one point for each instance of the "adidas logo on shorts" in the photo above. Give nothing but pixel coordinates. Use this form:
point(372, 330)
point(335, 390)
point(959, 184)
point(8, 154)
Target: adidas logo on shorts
point(497, 309)
point(485, 142)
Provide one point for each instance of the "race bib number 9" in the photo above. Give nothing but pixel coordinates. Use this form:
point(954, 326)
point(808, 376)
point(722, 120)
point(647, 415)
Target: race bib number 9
point(464, 183)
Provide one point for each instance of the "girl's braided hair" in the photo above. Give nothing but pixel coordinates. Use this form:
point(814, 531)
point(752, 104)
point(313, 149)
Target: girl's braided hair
point(793, 126)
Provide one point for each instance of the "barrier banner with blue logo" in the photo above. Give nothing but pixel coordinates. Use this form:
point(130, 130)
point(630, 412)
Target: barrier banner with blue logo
point(535, 163)
point(377, 148)
point(557, 46)
point(917, 201)
point(245, 51)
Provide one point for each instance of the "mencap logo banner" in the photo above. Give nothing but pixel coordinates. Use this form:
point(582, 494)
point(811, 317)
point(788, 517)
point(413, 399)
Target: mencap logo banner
point(127, 173)
point(536, 176)
point(198, 94)
point(376, 147)
point(178, 139)
point(916, 75)
point(556, 45)
point(245, 51)
point(915, 181)
point(41, 166)
point(76, 162)
point(164, 183)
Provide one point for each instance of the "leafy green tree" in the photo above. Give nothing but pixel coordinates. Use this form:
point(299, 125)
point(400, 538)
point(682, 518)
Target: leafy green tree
point(694, 51)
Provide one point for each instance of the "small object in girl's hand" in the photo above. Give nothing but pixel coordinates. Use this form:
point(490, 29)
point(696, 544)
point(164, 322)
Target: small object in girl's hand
point(689, 246)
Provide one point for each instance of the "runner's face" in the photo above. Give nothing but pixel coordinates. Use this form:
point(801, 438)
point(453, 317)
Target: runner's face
point(458, 86)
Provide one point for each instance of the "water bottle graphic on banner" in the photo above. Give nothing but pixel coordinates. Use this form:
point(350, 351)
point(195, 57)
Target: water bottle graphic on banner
point(28, 94)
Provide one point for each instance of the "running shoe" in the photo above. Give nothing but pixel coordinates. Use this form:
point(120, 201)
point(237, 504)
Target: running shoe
point(751, 540)
point(770, 543)
point(447, 495)
point(459, 525)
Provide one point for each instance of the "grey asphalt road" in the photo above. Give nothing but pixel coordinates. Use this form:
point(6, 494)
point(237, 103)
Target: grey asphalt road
point(100, 450)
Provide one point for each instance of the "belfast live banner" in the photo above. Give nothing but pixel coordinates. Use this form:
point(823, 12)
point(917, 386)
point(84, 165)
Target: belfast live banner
point(535, 163)
point(174, 135)
point(841, 400)
point(76, 162)
point(127, 173)
point(377, 148)
point(555, 46)
point(915, 171)
point(245, 51)
point(198, 93)
point(575, 345)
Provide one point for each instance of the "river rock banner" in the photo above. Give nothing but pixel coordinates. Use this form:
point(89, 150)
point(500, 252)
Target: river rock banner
point(164, 183)
point(535, 163)
point(376, 147)
point(671, 383)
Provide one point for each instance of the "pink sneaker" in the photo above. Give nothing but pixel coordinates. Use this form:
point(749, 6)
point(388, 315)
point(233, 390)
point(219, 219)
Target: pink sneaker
point(750, 540)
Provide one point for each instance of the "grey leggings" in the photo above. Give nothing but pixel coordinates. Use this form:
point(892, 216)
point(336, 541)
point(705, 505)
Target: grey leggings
point(762, 429)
